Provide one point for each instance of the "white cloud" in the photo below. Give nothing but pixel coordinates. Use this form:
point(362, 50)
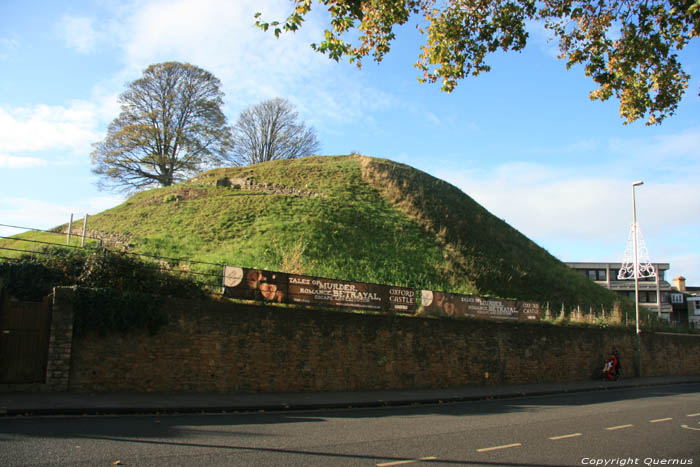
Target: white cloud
point(433, 119)
point(78, 33)
point(220, 36)
point(17, 162)
point(8, 47)
point(217, 35)
point(678, 148)
point(543, 201)
point(584, 146)
point(580, 217)
point(593, 202)
point(44, 127)
point(584, 212)
point(547, 201)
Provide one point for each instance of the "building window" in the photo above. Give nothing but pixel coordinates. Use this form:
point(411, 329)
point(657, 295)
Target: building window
point(628, 294)
point(645, 296)
point(677, 298)
point(697, 308)
point(595, 274)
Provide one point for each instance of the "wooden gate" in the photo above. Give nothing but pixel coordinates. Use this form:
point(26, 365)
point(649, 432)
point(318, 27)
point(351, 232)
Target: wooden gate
point(24, 340)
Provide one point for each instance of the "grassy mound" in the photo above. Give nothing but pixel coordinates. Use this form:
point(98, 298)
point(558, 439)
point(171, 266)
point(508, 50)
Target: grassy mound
point(346, 217)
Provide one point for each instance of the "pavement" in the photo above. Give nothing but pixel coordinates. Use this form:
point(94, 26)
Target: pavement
point(71, 403)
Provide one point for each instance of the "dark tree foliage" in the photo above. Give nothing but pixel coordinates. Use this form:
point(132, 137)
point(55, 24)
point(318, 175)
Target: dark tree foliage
point(269, 131)
point(628, 47)
point(171, 126)
point(32, 278)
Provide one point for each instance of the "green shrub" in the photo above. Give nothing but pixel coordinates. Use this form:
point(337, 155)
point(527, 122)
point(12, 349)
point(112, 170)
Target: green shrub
point(32, 279)
point(105, 311)
point(128, 273)
point(116, 292)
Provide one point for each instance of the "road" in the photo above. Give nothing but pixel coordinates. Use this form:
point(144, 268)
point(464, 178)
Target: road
point(641, 426)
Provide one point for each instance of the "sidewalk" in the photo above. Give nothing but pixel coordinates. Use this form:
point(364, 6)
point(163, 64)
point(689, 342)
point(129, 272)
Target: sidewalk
point(66, 403)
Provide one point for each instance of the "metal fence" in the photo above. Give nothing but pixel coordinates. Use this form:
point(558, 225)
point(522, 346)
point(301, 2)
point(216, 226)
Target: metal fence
point(33, 243)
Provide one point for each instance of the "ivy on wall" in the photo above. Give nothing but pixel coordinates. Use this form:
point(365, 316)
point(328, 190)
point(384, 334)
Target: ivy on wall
point(33, 278)
point(115, 292)
point(106, 311)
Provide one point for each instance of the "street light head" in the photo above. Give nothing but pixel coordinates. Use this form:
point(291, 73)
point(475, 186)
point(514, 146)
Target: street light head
point(638, 183)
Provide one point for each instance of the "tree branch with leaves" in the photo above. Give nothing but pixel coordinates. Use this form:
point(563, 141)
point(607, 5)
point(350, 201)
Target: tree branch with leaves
point(630, 48)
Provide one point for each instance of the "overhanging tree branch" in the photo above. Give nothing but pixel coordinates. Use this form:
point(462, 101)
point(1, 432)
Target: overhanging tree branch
point(630, 48)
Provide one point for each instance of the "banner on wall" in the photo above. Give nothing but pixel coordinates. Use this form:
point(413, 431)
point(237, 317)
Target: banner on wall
point(262, 285)
point(401, 300)
point(529, 311)
point(357, 295)
point(463, 306)
point(255, 284)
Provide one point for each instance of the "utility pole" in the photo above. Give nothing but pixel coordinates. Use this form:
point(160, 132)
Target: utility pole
point(636, 276)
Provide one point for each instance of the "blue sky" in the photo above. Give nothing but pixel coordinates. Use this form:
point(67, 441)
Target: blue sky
point(524, 140)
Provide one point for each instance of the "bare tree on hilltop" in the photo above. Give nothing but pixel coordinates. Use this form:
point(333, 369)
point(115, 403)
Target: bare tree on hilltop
point(171, 126)
point(269, 131)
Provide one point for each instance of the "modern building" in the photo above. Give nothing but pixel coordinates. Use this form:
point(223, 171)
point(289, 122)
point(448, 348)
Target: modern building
point(685, 301)
point(654, 292)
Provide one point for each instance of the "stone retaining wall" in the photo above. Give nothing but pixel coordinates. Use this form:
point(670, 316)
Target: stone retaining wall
point(226, 347)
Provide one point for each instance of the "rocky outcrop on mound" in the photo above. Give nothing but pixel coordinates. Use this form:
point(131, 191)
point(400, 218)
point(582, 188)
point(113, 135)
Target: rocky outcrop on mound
point(249, 183)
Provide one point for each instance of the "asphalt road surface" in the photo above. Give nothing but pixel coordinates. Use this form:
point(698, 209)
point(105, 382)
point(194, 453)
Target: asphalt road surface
point(642, 426)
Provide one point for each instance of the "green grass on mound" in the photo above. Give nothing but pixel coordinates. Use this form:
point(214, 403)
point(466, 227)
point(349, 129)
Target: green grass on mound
point(348, 231)
point(367, 220)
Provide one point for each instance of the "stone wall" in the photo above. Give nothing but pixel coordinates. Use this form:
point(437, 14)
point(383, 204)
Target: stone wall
point(61, 340)
point(250, 184)
point(225, 347)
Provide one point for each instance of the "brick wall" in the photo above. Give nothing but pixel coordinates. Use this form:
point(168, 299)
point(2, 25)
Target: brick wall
point(225, 347)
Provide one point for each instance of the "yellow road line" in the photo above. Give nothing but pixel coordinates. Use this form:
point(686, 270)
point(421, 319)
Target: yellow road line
point(660, 420)
point(619, 427)
point(408, 461)
point(693, 415)
point(494, 448)
point(572, 435)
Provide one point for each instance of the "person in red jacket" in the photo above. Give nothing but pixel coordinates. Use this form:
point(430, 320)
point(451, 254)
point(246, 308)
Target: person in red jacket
point(610, 370)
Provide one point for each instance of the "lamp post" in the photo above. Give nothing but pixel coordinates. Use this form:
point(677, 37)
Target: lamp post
point(636, 277)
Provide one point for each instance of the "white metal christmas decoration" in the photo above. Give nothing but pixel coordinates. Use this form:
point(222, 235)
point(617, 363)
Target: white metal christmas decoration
point(644, 268)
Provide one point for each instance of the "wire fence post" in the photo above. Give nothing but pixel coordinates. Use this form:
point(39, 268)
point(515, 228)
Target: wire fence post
point(70, 229)
point(34, 245)
point(223, 278)
point(82, 243)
